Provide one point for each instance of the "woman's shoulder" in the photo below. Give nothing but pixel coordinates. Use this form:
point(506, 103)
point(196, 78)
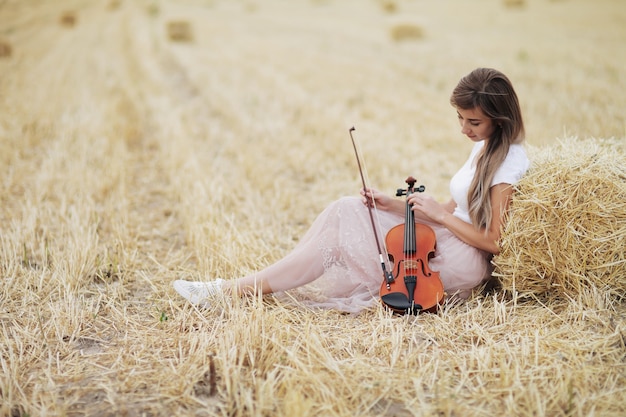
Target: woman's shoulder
point(514, 166)
point(517, 153)
point(518, 147)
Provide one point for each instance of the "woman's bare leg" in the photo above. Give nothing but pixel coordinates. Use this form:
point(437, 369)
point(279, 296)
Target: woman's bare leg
point(303, 265)
point(323, 246)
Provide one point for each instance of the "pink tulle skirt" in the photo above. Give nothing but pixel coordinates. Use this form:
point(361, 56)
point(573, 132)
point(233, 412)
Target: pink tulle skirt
point(336, 264)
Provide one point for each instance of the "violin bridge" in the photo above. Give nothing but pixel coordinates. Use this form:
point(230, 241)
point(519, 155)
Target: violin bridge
point(411, 264)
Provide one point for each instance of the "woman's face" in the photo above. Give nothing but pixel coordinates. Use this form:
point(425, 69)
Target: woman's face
point(474, 124)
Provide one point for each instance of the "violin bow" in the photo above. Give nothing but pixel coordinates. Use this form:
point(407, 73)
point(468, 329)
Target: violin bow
point(387, 274)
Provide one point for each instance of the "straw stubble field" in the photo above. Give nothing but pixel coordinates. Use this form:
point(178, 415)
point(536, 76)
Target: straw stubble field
point(135, 151)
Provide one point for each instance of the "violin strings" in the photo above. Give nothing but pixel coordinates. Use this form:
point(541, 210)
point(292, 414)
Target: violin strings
point(408, 236)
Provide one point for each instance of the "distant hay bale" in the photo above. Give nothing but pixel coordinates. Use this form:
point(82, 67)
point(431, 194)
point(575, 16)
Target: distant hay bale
point(179, 31)
point(406, 32)
point(251, 7)
point(389, 6)
point(114, 4)
point(153, 10)
point(5, 50)
point(566, 232)
point(68, 19)
point(514, 3)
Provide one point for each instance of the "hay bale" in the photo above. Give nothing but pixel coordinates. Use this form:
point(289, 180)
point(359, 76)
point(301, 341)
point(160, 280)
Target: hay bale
point(153, 10)
point(514, 3)
point(389, 6)
point(566, 232)
point(68, 19)
point(114, 5)
point(5, 50)
point(179, 31)
point(406, 32)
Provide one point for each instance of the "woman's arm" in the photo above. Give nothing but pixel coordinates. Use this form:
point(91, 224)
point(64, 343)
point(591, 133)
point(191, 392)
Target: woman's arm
point(395, 205)
point(484, 238)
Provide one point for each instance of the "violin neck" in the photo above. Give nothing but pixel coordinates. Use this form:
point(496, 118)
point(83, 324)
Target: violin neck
point(409, 230)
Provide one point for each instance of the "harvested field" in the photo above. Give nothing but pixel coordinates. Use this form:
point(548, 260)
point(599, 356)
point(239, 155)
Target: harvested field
point(131, 159)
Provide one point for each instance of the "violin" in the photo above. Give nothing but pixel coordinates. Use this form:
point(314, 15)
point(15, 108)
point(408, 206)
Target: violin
point(411, 287)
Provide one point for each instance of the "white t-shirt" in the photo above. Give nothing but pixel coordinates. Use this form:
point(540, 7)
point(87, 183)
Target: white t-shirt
point(514, 166)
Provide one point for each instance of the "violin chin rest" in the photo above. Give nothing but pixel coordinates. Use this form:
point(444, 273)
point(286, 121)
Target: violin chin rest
point(399, 302)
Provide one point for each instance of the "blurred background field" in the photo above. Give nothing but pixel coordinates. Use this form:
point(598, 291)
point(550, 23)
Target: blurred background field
point(142, 141)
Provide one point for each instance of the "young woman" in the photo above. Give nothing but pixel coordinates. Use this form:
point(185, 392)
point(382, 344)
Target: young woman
point(337, 257)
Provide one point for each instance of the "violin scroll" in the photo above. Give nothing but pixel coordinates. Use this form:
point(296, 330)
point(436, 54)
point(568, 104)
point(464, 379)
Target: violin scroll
point(411, 189)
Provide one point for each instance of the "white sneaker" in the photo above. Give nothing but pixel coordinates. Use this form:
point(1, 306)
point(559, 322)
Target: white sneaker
point(198, 292)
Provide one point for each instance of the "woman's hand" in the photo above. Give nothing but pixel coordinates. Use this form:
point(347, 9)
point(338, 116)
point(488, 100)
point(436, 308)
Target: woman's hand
point(374, 198)
point(426, 207)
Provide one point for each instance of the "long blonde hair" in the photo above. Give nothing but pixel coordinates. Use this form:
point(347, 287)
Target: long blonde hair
point(492, 92)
